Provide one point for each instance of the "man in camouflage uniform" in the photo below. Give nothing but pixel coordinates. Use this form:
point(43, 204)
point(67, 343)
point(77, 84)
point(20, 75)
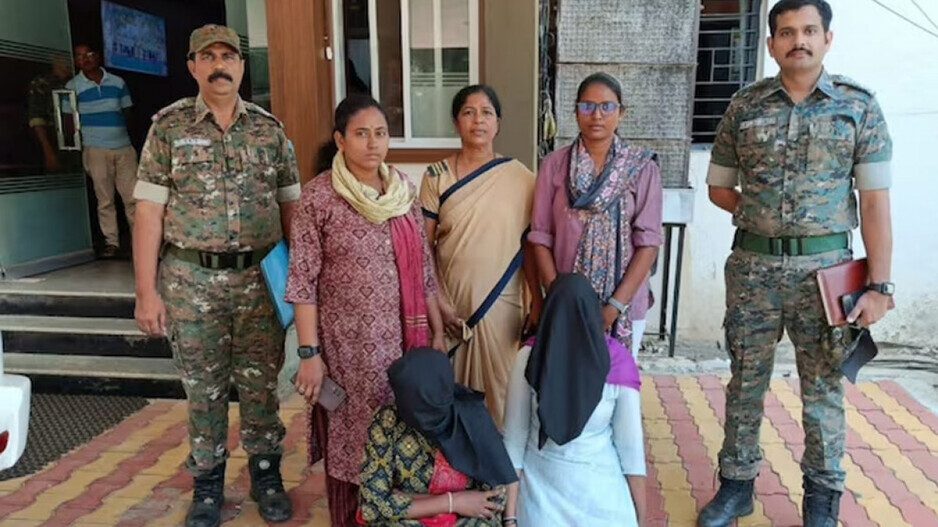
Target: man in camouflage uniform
point(40, 110)
point(797, 145)
point(217, 186)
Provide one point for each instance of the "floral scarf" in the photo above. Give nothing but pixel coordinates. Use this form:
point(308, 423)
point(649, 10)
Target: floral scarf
point(605, 247)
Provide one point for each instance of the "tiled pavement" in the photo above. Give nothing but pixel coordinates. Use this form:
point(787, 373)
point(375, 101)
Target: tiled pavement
point(132, 474)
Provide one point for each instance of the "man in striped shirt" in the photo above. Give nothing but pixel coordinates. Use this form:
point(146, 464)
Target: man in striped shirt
point(109, 158)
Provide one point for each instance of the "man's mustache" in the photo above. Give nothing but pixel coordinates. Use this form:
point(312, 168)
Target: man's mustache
point(219, 75)
point(806, 50)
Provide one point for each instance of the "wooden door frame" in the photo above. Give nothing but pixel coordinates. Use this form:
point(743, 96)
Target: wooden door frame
point(299, 33)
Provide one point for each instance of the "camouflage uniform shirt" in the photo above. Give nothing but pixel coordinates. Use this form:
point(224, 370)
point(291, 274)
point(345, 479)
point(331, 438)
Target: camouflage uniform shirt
point(40, 108)
point(221, 188)
point(798, 164)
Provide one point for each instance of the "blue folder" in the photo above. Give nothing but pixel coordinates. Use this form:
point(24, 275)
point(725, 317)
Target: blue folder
point(274, 267)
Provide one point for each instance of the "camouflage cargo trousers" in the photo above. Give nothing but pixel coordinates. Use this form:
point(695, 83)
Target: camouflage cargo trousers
point(222, 327)
point(764, 296)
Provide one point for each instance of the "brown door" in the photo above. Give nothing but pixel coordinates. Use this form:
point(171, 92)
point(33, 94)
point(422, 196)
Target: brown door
point(299, 35)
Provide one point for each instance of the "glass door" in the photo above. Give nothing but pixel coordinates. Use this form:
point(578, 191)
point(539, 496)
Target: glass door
point(44, 219)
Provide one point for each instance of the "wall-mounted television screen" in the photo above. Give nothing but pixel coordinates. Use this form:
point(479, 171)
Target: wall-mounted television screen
point(133, 40)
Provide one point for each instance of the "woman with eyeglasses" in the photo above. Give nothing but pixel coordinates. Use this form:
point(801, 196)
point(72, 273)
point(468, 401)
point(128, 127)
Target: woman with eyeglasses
point(597, 211)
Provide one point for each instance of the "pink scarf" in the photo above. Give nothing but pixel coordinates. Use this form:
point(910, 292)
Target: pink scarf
point(408, 254)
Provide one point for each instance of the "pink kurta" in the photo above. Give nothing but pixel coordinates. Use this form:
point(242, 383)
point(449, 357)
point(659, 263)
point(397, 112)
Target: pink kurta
point(556, 226)
point(345, 265)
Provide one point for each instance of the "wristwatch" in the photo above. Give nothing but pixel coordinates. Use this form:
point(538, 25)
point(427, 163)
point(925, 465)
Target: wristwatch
point(307, 352)
point(620, 307)
point(883, 288)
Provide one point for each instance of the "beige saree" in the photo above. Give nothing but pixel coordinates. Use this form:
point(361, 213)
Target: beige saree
point(481, 220)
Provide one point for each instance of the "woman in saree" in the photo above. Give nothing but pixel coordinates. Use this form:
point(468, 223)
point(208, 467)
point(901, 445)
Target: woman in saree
point(597, 210)
point(477, 207)
point(362, 282)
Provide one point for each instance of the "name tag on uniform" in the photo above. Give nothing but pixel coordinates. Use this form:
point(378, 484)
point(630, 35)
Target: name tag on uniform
point(192, 141)
point(762, 121)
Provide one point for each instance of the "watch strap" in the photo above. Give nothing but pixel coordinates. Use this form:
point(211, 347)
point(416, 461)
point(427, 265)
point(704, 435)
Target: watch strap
point(620, 307)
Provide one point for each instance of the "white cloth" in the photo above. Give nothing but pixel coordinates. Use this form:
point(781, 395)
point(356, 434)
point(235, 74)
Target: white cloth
point(583, 482)
point(638, 331)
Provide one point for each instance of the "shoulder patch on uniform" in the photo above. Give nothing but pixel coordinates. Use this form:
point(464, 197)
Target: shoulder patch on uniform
point(186, 102)
point(436, 169)
point(843, 80)
point(251, 107)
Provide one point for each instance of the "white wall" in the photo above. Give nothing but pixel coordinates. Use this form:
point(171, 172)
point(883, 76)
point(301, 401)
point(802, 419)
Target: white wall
point(899, 62)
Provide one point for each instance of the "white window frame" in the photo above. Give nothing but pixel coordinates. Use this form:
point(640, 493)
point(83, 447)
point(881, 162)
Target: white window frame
point(408, 141)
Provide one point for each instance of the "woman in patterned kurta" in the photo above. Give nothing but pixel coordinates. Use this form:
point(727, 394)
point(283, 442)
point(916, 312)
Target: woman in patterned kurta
point(344, 268)
point(435, 459)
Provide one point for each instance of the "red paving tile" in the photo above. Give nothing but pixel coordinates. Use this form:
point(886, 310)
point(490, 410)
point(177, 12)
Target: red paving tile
point(173, 491)
point(687, 438)
point(779, 509)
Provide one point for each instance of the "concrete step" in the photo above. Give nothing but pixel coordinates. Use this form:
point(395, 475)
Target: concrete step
point(80, 366)
point(79, 336)
point(57, 373)
point(64, 304)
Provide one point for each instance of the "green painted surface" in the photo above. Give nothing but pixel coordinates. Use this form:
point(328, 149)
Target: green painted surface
point(41, 224)
point(41, 23)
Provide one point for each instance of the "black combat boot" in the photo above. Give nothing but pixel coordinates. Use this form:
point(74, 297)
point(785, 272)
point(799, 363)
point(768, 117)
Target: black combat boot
point(208, 495)
point(734, 499)
point(821, 505)
point(267, 488)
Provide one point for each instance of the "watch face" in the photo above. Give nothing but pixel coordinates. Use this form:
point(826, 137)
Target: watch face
point(889, 288)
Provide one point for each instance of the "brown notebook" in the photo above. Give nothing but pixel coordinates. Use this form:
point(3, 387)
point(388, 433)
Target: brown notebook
point(838, 281)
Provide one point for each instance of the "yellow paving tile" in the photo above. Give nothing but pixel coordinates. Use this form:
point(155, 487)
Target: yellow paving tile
point(320, 514)
point(783, 460)
point(139, 489)
point(20, 523)
point(294, 402)
point(906, 471)
point(675, 490)
point(176, 416)
point(48, 501)
point(172, 414)
point(11, 485)
point(294, 464)
point(901, 416)
point(169, 463)
point(712, 434)
point(51, 498)
point(877, 505)
point(235, 465)
point(110, 511)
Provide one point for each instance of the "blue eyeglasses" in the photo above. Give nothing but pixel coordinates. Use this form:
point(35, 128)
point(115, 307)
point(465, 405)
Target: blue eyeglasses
point(605, 108)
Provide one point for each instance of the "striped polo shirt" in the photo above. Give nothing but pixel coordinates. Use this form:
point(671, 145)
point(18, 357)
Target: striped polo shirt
point(100, 107)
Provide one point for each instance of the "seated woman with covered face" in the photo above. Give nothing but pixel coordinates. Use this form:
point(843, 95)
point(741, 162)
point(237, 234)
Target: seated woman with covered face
point(573, 425)
point(435, 459)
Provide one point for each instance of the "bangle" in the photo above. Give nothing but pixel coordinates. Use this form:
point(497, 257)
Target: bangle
point(449, 496)
point(509, 519)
